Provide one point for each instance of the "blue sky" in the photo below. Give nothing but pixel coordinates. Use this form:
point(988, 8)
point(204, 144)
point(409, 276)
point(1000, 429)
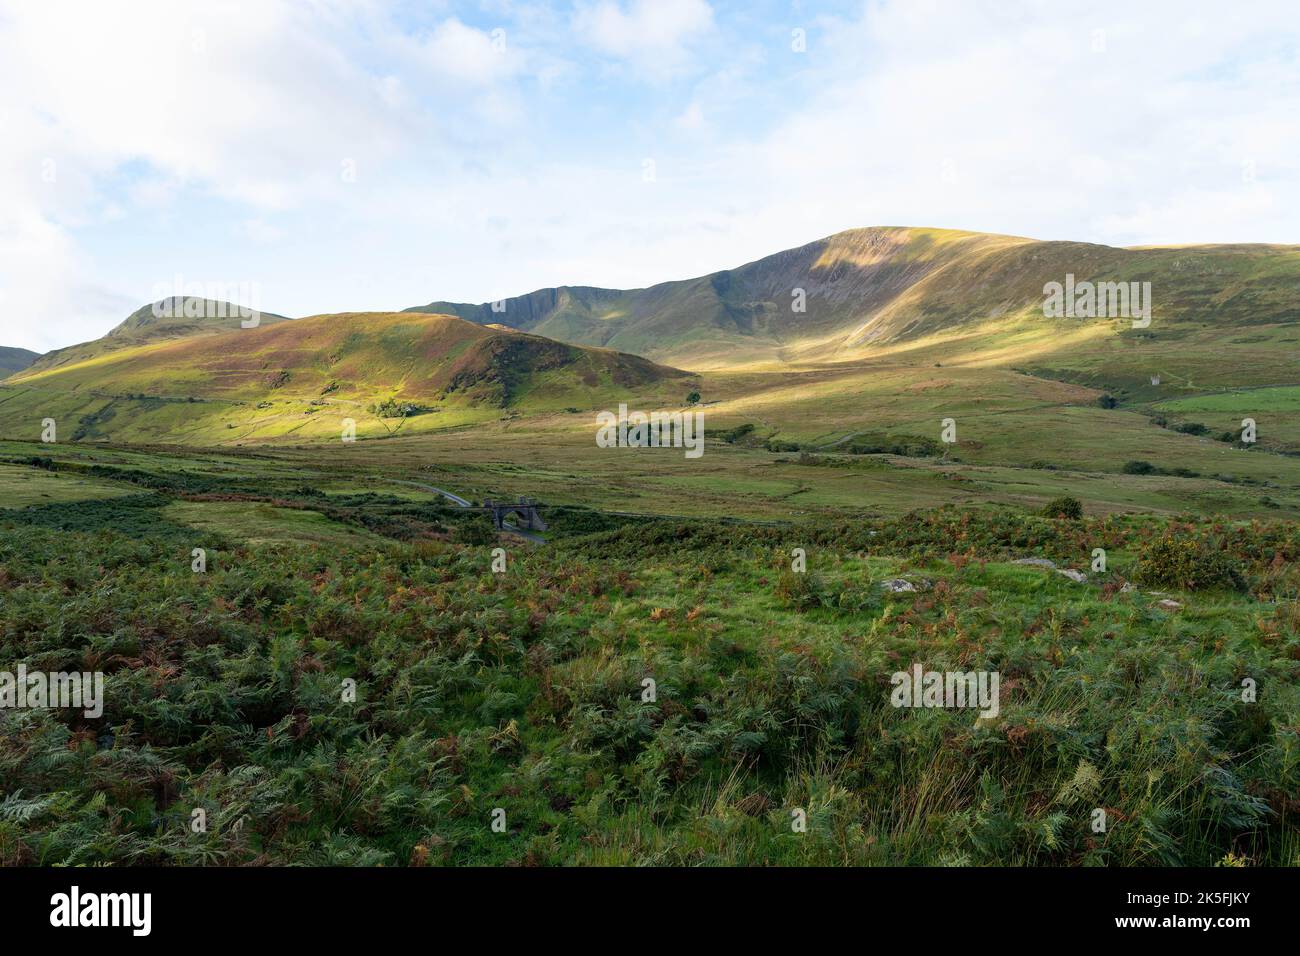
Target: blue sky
point(366, 155)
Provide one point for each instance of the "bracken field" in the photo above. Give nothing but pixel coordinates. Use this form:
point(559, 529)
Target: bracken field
point(637, 690)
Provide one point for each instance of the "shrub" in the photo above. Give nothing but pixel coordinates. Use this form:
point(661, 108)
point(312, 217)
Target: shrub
point(1188, 563)
point(1064, 507)
point(808, 590)
point(1108, 401)
point(476, 530)
point(800, 591)
point(909, 446)
point(1146, 468)
point(733, 435)
point(392, 408)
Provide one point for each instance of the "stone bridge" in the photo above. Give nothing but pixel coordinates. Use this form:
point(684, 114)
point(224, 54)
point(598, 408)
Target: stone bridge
point(525, 508)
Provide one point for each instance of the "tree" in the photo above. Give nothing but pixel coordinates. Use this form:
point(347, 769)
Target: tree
point(693, 398)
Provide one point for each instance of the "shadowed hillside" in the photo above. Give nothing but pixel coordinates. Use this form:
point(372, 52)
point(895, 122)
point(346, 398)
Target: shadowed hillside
point(15, 360)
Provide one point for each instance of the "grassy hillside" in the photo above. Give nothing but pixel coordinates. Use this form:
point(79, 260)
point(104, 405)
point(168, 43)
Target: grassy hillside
point(15, 360)
point(387, 372)
point(174, 318)
point(866, 287)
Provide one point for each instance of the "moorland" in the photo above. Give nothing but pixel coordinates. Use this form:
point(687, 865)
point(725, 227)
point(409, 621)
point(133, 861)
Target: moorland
point(364, 672)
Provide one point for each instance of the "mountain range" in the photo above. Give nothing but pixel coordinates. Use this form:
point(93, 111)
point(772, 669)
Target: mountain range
point(841, 298)
point(899, 324)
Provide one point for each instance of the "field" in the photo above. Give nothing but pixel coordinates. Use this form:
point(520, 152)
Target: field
point(22, 487)
point(520, 696)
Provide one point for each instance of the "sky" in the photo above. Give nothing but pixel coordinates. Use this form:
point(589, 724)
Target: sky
point(309, 156)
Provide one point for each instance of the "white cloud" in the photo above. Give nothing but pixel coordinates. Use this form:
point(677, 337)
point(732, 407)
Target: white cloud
point(468, 55)
point(45, 302)
point(253, 104)
point(1045, 137)
point(692, 117)
point(345, 161)
point(260, 231)
point(655, 35)
point(244, 99)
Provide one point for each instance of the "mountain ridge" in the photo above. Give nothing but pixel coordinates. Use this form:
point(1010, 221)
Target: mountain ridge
point(14, 360)
point(879, 285)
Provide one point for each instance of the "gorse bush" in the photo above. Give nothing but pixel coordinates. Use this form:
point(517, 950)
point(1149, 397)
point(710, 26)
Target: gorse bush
point(1188, 563)
point(1064, 507)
